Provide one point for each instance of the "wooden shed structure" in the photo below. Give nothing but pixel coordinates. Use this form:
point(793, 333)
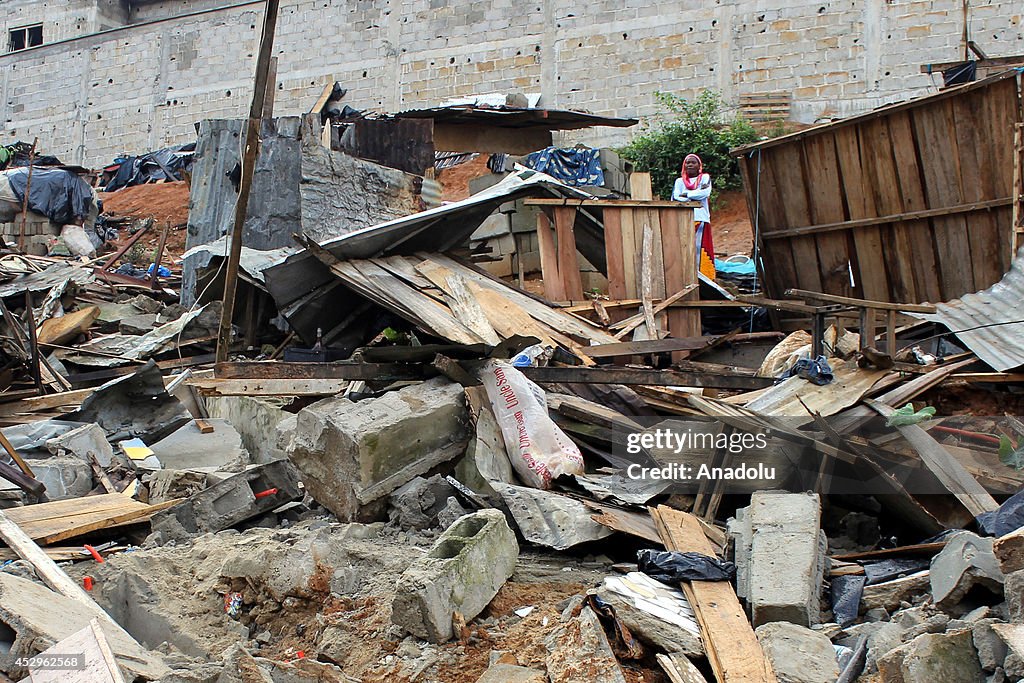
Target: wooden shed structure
point(911, 202)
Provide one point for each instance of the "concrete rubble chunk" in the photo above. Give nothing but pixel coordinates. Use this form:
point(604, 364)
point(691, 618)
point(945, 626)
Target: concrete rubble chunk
point(451, 513)
point(579, 651)
point(188, 448)
point(891, 594)
point(798, 654)
point(257, 421)
point(239, 497)
point(1014, 592)
point(549, 519)
point(966, 561)
point(933, 658)
point(353, 454)
point(649, 629)
point(990, 647)
point(82, 442)
point(780, 555)
point(167, 485)
point(462, 572)
point(883, 637)
point(32, 618)
point(509, 673)
point(416, 505)
point(64, 477)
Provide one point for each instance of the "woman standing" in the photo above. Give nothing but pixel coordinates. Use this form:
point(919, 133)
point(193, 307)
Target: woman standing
point(695, 186)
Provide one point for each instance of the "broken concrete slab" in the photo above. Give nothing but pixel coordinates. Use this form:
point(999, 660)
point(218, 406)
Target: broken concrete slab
point(167, 485)
point(353, 454)
point(883, 637)
point(781, 551)
point(417, 504)
point(991, 648)
point(1013, 589)
point(64, 477)
point(189, 448)
point(257, 420)
point(461, 573)
point(549, 519)
point(648, 628)
point(966, 561)
point(83, 442)
point(137, 324)
point(33, 618)
point(451, 513)
point(579, 651)
point(509, 673)
point(932, 658)
point(890, 595)
point(798, 654)
point(239, 497)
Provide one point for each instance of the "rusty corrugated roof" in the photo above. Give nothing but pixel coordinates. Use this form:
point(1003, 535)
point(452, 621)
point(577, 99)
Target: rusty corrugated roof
point(990, 322)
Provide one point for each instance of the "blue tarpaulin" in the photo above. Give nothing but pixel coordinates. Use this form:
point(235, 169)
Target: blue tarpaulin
point(59, 195)
point(571, 166)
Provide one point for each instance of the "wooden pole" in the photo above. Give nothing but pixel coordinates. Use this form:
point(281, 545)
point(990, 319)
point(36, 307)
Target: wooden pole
point(24, 202)
point(252, 144)
point(154, 278)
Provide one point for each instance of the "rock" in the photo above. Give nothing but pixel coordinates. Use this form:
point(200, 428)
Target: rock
point(415, 505)
point(883, 637)
point(508, 673)
point(891, 594)
point(66, 328)
point(451, 513)
point(798, 654)
point(463, 571)
point(167, 485)
point(650, 629)
point(137, 324)
point(1014, 592)
point(990, 647)
point(933, 658)
point(353, 454)
point(936, 623)
point(146, 304)
point(1013, 636)
point(966, 561)
point(550, 519)
point(579, 651)
point(82, 442)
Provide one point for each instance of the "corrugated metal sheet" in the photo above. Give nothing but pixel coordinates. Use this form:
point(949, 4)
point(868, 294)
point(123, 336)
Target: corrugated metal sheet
point(989, 322)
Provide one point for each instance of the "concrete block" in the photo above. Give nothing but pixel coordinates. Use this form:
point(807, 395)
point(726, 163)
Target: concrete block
point(64, 477)
point(231, 501)
point(579, 651)
point(33, 618)
point(1013, 589)
point(966, 561)
point(462, 572)
point(509, 673)
point(82, 442)
point(352, 454)
point(784, 555)
point(798, 654)
point(256, 420)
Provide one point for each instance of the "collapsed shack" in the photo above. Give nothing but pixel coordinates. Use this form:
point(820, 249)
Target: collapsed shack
point(437, 474)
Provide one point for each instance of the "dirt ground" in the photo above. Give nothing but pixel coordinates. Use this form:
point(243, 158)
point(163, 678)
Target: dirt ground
point(165, 203)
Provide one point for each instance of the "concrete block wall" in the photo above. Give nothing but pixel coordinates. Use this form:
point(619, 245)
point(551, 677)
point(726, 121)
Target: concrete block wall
point(145, 85)
point(61, 19)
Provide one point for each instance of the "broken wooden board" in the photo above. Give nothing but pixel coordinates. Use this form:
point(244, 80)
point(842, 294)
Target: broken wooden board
point(789, 398)
point(48, 523)
point(633, 523)
point(639, 348)
point(269, 387)
point(67, 327)
point(679, 669)
point(943, 465)
point(97, 659)
point(732, 648)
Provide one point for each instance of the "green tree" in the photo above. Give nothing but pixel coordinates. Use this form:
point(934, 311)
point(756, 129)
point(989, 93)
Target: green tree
point(697, 126)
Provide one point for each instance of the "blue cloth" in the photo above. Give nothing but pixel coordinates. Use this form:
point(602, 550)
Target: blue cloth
point(571, 166)
point(735, 267)
point(817, 371)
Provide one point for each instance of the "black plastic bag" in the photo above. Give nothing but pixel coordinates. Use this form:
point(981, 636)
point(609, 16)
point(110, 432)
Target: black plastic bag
point(1009, 517)
point(673, 567)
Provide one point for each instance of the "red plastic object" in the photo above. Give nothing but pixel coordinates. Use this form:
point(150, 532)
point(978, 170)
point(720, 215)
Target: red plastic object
point(264, 494)
point(95, 555)
point(87, 582)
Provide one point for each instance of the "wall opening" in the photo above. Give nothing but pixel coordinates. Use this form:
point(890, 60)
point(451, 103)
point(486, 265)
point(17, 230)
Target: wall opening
point(24, 37)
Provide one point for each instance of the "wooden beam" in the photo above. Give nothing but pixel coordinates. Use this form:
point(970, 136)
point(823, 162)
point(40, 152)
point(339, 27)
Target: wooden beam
point(893, 218)
point(981, 63)
point(639, 348)
point(269, 387)
point(731, 647)
point(860, 303)
point(266, 370)
point(613, 203)
point(632, 376)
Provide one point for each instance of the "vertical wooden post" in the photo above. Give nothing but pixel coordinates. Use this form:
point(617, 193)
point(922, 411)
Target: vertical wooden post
point(28, 188)
point(1017, 236)
point(252, 144)
point(158, 257)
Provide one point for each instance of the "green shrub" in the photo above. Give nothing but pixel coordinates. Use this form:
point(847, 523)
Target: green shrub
point(699, 127)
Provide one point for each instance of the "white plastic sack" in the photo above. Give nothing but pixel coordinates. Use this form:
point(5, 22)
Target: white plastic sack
point(77, 242)
point(539, 450)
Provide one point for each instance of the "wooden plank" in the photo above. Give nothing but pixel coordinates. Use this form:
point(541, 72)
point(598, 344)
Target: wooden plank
point(640, 186)
point(869, 265)
point(627, 522)
point(568, 263)
point(269, 387)
point(731, 647)
point(861, 303)
point(786, 163)
point(613, 253)
point(780, 267)
point(554, 289)
point(947, 469)
point(460, 300)
point(679, 256)
point(58, 520)
point(605, 203)
point(649, 330)
point(631, 376)
point(99, 665)
point(630, 323)
point(630, 271)
point(935, 130)
point(679, 669)
point(825, 200)
point(639, 348)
